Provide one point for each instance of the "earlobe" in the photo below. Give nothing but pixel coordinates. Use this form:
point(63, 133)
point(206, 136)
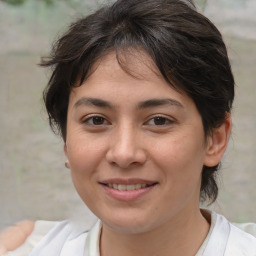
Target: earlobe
point(67, 165)
point(218, 142)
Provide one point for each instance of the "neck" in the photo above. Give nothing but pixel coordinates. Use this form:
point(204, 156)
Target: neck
point(182, 236)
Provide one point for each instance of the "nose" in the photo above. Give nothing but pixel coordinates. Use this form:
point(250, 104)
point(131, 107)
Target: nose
point(126, 149)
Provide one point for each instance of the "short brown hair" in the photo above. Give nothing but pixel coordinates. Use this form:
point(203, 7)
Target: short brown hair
point(185, 46)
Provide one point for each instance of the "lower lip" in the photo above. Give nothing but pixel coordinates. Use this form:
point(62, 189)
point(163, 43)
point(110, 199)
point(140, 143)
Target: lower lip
point(127, 195)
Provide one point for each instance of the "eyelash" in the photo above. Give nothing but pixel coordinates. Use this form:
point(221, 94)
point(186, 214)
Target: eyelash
point(167, 121)
point(92, 120)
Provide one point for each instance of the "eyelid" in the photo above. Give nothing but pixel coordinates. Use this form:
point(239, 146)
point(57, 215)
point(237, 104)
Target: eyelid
point(167, 118)
point(87, 118)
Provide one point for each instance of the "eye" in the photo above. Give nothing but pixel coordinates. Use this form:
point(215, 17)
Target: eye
point(95, 121)
point(159, 121)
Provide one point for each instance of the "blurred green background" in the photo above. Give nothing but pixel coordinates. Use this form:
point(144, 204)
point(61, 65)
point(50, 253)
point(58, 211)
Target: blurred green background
point(33, 180)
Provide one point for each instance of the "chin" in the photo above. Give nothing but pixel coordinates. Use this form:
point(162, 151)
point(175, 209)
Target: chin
point(129, 224)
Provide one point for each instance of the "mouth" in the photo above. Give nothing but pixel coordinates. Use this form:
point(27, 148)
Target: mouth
point(129, 187)
point(127, 190)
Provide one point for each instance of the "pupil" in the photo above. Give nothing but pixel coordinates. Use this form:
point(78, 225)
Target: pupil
point(98, 120)
point(159, 121)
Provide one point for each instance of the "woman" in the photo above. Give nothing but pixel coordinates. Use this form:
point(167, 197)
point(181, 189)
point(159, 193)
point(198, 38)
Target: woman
point(141, 93)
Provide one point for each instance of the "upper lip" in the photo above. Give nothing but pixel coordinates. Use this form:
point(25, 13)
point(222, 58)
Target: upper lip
point(128, 181)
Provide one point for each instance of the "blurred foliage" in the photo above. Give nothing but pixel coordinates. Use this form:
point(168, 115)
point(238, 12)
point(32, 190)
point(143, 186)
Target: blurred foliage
point(14, 2)
point(20, 2)
point(42, 18)
point(48, 2)
point(77, 5)
point(73, 3)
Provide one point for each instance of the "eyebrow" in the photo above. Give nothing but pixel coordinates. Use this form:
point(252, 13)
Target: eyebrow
point(93, 101)
point(159, 102)
point(144, 104)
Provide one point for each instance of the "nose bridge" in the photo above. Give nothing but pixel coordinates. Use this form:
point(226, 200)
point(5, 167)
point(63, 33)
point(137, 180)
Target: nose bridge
point(125, 148)
point(126, 137)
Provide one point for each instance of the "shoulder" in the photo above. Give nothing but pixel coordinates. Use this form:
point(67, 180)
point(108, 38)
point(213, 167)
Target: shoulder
point(239, 241)
point(228, 240)
point(242, 239)
point(249, 228)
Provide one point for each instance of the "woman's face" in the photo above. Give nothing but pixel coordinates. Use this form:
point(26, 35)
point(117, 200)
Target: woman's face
point(136, 147)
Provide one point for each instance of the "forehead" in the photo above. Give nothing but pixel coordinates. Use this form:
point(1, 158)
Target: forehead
point(121, 66)
point(134, 62)
point(128, 76)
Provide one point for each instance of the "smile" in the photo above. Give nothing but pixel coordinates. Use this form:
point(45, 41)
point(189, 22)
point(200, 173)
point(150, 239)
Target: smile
point(127, 190)
point(129, 187)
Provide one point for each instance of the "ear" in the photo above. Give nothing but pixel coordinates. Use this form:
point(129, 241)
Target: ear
point(217, 143)
point(67, 164)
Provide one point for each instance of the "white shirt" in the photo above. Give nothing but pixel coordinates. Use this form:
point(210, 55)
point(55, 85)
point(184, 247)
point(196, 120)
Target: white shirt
point(68, 238)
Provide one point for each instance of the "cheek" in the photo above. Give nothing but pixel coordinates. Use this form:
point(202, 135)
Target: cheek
point(180, 158)
point(181, 165)
point(84, 153)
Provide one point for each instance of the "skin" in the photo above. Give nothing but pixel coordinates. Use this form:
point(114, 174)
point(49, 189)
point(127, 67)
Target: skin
point(134, 128)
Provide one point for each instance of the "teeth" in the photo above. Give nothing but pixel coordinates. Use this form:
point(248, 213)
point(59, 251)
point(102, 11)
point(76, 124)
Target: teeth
point(123, 187)
point(130, 187)
point(138, 186)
